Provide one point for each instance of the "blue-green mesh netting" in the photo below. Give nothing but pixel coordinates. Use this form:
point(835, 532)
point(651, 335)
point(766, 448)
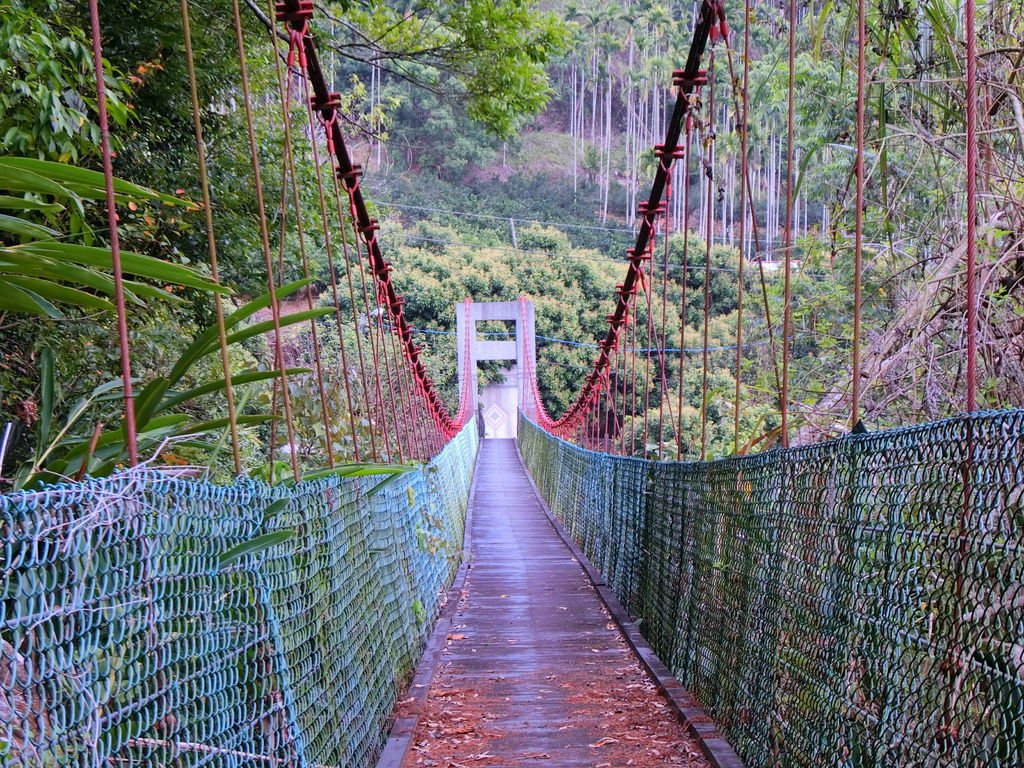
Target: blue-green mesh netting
point(854, 603)
point(123, 642)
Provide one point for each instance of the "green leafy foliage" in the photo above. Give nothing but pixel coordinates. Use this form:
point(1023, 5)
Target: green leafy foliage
point(48, 86)
point(40, 270)
point(254, 546)
point(164, 412)
point(489, 56)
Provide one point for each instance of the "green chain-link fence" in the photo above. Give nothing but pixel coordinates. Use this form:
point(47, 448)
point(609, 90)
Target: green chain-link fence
point(124, 640)
point(854, 603)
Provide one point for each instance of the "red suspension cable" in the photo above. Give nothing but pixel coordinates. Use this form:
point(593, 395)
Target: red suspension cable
point(743, 123)
point(296, 14)
point(709, 234)
point(972, 205)
point(130, 437)
point(787, 310)
point(710, 17)
point(858, 237)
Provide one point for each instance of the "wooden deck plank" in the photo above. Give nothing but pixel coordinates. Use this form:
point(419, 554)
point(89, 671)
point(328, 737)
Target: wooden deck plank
point(535, 671)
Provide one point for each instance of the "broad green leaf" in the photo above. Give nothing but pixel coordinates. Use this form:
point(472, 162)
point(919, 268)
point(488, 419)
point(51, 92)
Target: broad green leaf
point(262, 302)
point(818, 27)
point(357, 470)
point(254, 546)
point(46, 396)
point(267, 326)
point(248, 377)
point(14, 179)
point(26, 229)
point(132, 263)
point(805, 161)
point(86, 192)
point(383, 484)
point(148, 399)
point(76, 412)
point(207, 340)
point(201, 427)
point(13, 263)
point(61, 293)
point(274, 508)
point(162, 425)
point(83, 177)
point(267, 472)
point(9, 203)
point(16, 299)
point(135, 291)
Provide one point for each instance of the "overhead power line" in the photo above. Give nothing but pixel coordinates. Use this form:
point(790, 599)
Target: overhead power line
point(588, 345)
point(491, 217)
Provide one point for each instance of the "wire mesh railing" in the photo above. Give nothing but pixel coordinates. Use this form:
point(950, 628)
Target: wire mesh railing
point(852, 603)
point(128, 638)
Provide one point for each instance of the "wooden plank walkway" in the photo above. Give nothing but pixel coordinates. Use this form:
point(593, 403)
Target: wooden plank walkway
point(534, 670)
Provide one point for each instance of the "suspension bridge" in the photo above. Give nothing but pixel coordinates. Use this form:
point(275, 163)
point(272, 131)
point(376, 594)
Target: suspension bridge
point(585, 593)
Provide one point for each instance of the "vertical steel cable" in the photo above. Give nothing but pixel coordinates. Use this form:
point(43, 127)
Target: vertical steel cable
point(131, 439)
point(610, 424)
point(423, 421)
point(687, 79)
point(367, 395)
point(622, 385)
point(602, 409)
point(405, 396)
point(762, 278)
point(416, 450)
point(591, 426)
point(404, 424)
point(632, 375)
point(787, 311)
point(620, 392)
point(357, 242)
point(682, 284)
point(955, 660)
point(599, 427)
point(381, 346)
point(374, 404)
point(404, 393)
point(858, 237)
point(275, 309)
point(744, 123)
point(395, 405)
point(709, 172)
point(611, 408)
point(288, 174)
point(649, 292)
point(663, 387)
point(211, 240)
point(382, 409)
point(972, 204)
point(329, 248)
point(297, 14)
point(741, 100)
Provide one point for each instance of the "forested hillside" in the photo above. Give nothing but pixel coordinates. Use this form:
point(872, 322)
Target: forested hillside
point(507, 148)
point(584, 163)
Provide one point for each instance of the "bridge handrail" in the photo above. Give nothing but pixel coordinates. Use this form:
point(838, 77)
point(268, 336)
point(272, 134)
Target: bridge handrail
point(853, 602)
point(127, 636)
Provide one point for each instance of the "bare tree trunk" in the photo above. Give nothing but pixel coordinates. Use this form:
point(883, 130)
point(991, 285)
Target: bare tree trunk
point(910, 333)
point(572, 128)
point(607, 145)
